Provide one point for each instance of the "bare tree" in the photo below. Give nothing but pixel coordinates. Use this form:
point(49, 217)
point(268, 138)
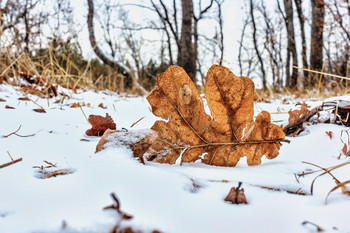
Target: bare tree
point(316, 47)
point(271, 45)
point(255, 42)
point(107, 60)
point(186, 36)
point(186, 50)
point(22, 22)
point(291, 74)
point(221, 31)
point(301, 17)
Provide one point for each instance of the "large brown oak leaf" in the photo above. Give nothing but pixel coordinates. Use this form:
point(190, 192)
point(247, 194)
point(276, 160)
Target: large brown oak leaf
point(188, 133)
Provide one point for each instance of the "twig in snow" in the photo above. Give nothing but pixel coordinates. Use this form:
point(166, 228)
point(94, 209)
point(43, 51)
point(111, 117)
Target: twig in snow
point(133, 124)
point(12, 161)
point(15, 133)
point(318, 228)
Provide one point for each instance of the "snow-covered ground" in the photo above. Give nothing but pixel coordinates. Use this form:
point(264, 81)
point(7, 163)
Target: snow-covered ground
point(168, 198)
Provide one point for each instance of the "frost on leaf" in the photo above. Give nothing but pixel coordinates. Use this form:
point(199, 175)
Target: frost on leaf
point(188, 134)
point(100, 124)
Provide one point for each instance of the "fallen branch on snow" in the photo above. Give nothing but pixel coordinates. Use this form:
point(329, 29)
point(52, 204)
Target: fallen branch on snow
point(13, 161)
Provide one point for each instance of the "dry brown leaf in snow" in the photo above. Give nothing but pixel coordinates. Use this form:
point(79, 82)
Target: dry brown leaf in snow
point(100, 124)
point(236, 195)
point(9, 107)
point(188, 133)
point(298, 114)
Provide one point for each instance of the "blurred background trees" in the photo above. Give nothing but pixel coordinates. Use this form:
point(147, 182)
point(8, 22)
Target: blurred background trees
point(279, 45)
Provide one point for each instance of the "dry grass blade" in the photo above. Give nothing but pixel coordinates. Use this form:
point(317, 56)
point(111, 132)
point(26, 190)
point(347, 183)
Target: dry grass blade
point(323, 73)
point(329, 169)
point(326, 171)
point(339, 185)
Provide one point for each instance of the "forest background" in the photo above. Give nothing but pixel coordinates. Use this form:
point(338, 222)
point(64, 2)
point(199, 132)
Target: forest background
point(283, 45)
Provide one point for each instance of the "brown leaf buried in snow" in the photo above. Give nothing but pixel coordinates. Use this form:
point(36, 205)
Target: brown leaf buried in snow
point(191, 134)
point(100, 124)
point(236, 195)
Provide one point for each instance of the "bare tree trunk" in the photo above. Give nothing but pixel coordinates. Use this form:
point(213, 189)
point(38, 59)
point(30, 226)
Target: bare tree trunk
point(301, 17)
point(186, 55)
point(292, 50)
point(121, 67)
point(241, 41)
point(221, 32)
point(270, 45)
point(256, 46)
point(316, 48)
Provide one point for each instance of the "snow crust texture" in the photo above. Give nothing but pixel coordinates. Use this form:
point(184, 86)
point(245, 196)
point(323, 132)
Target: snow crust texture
point(169, 198)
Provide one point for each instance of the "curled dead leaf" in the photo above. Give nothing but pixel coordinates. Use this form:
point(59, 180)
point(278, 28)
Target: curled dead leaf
point(100, 124)
point(101, 106)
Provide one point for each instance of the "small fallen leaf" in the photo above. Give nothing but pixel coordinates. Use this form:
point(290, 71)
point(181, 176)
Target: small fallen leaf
point(9, 107)
point(24, 98)
point(236, 195)
point(100, 124)
point(102, 106)
point(40, 110)
point(2, 100)
point(75, 105)
point(297, 114)
point(330, 134)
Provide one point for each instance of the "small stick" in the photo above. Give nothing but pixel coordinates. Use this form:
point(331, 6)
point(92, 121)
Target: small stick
point(10, 163)
point(49, 163)
point(9, 155)
point(319, 229)
point(15, 133)
point(133, 124)
point(83, 113)
point(6, 136)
